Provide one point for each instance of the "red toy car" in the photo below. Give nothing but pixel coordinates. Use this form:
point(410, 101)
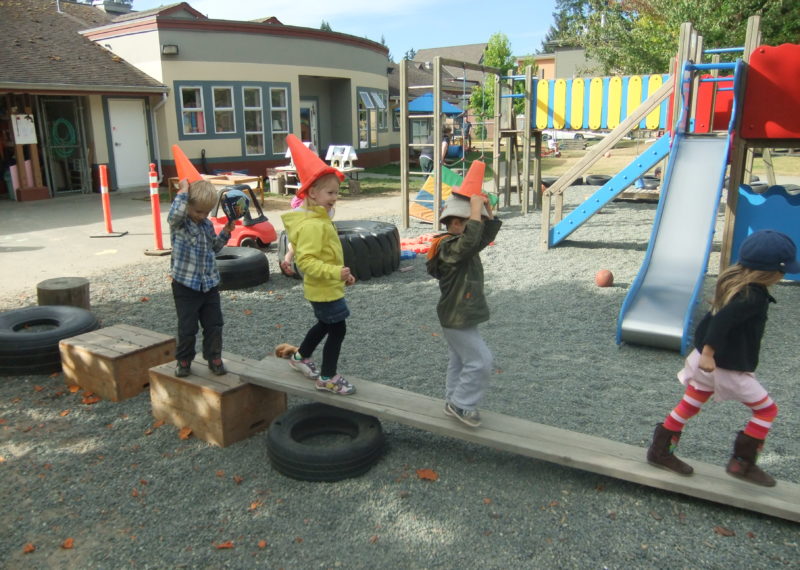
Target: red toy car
point(250, 230)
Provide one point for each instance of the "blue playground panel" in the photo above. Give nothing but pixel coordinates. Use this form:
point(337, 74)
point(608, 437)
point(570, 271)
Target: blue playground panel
point(774, 209)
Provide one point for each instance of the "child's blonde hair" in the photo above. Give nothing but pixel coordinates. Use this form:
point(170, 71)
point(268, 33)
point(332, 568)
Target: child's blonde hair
point(735, 278)
point(309, 201)
point(203, 195)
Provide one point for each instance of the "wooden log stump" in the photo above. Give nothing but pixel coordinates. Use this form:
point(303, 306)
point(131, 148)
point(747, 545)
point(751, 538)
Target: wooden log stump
point(73, 291)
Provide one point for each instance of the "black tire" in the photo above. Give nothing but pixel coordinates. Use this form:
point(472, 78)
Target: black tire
point(250, 242)
point(578, 137)
point(651, 182)
point(283, 247)
point(548, 181)
point(241, 267)
point(597, 179)
point(289, 451)
point(371, 249)
point(29, 337)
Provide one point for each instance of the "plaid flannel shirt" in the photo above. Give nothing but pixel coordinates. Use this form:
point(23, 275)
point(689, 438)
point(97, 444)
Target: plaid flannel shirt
point(194, 246)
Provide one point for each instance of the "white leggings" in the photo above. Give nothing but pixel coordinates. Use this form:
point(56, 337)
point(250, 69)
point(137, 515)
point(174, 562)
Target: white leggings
point(469, 367)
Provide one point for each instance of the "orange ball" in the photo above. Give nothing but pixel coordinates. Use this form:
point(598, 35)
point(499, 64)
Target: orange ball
point(604, 278)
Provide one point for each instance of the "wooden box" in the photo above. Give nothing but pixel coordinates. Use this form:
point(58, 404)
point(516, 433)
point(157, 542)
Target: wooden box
point(219, 409)
point(113, 362)
point(32, 193)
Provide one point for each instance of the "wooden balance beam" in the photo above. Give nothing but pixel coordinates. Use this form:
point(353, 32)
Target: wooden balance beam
point(572, 449)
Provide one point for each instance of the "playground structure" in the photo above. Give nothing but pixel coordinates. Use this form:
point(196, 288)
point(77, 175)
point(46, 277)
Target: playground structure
point(723, 112)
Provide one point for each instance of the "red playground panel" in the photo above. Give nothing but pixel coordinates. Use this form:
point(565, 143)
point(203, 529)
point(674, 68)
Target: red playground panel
point(772, 94)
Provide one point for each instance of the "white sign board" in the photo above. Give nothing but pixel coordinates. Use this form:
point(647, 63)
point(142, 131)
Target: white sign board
point(24, 129)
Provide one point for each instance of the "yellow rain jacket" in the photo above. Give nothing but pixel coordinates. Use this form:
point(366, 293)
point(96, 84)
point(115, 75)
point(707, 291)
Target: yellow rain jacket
point(317, 252)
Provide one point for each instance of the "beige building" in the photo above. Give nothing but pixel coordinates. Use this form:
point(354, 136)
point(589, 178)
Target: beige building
point(228, 92)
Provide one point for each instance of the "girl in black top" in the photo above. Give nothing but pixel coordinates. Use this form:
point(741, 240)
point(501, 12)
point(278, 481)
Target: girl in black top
point(727, 344)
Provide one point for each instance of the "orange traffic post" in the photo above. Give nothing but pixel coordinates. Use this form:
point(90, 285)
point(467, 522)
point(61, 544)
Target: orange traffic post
point(155, 206)
point(106, 204)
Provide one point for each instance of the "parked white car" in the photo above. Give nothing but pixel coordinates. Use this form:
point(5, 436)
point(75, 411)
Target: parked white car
point(570, 135)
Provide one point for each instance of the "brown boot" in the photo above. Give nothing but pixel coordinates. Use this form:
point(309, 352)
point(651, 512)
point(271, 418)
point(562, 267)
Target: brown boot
point(661, 451)
point(743, 461)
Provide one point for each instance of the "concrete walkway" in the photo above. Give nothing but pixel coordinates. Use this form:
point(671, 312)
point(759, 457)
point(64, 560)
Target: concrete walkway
point(53, 238)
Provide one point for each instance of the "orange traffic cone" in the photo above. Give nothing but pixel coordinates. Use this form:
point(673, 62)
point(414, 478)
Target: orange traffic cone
point(186, 169)
point(473, 181)
point(309, 166)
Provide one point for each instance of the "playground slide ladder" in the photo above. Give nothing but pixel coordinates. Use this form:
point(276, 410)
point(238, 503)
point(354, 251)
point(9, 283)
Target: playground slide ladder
point(515, 435)
point(610, 190)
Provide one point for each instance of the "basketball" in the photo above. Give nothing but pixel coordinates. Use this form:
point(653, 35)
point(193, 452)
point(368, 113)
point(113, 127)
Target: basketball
point(604, 278)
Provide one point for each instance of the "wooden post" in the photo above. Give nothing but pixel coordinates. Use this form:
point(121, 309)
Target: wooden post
point(72, 291)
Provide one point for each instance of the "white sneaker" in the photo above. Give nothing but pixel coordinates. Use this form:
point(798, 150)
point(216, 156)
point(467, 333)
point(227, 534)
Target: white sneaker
point(305, 366)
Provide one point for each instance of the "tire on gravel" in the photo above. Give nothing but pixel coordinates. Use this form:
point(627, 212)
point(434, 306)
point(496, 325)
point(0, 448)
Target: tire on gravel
point(29, 337)
point(597, 179)
point(292, 452)
point(371, 249)
point(241, 267)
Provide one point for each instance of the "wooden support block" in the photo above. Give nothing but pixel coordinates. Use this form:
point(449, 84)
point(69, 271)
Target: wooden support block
point(31, 193)
point(113, 362)
point(354, 187)
point(220, 410)
point(72, 291)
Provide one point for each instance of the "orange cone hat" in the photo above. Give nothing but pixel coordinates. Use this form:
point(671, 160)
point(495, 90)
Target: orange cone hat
point(473, 181)
point(185, 168)
point(309, 166)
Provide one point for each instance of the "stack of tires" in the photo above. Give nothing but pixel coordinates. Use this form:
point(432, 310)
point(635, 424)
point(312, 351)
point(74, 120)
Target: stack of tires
point(371, 249)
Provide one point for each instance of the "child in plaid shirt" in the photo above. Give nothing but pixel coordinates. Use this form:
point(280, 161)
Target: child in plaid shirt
point(195, 277)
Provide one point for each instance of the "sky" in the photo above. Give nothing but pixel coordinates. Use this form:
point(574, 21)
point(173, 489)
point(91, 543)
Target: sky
point(404, 24)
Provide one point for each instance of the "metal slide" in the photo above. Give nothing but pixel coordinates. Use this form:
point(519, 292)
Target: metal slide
point(658, 308)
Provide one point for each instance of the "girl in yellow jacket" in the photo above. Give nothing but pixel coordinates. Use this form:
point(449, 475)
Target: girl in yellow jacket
point(318, 255)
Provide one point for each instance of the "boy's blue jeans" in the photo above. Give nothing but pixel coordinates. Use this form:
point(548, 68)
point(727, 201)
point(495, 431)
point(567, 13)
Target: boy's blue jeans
point(196, 309)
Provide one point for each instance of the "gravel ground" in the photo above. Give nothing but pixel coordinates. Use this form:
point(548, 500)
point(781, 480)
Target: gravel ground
point(132, 495)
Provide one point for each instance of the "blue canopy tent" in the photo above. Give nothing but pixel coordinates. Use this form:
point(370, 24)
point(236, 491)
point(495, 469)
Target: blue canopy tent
point(424, 104)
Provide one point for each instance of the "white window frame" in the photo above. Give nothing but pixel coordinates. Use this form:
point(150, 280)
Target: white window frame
point(278, 134)
point(380, 103)
point(251, 109)
point(228, 111)
point(198, 111)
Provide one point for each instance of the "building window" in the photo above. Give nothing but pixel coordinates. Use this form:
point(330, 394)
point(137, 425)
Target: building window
point(224, 121)
point(372, 116)
point(279, 112)
point(380, 104)
point(192, 115)
point(253, 121)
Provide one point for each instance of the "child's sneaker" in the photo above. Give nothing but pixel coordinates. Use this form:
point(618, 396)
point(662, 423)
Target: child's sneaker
point(304, 365)
point(183, 369)
point(470, 417)
point(337, 385)
point(217, 367)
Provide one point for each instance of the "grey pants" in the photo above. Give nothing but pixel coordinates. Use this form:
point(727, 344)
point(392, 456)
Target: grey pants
point(469, 367)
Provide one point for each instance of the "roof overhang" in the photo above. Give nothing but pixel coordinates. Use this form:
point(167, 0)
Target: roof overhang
point(24, 87)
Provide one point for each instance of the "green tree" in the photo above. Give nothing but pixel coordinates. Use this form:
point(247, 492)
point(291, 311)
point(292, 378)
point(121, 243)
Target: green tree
point(325, 26)
point(497, 54)
point(569, 20)
point(641, 36)
point(410, 54)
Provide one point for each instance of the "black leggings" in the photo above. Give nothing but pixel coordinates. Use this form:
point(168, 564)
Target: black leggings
point(330, 352)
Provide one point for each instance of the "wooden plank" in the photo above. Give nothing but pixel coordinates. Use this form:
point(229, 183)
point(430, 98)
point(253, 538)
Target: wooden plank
point(590, 453)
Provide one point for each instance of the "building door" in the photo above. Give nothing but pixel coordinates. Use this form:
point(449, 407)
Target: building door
point(309, 129)
point(129, 143)
point(66, 164)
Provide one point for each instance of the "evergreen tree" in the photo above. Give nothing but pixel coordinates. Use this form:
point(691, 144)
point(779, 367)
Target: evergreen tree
point(325, 26)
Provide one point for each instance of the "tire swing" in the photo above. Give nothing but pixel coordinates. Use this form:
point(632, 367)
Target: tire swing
point(371, 249)
point(292, 451)
point(29, 337)
point(241, 267)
